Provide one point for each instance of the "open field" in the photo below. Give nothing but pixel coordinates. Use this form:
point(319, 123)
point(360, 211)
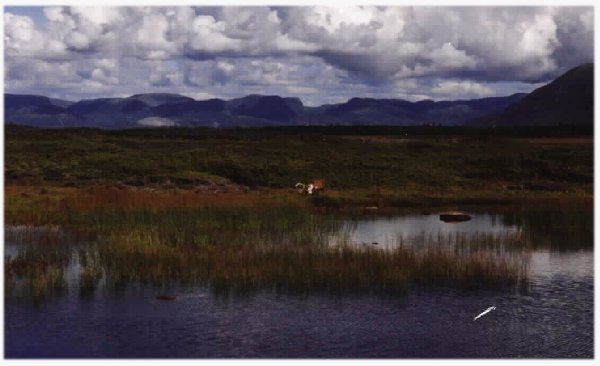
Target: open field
point(562, 141)
point(217, 207)
point(436, 168)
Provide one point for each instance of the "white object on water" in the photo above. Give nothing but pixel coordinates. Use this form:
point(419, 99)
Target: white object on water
point(485, 312)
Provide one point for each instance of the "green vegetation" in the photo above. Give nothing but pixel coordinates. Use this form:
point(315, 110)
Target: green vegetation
point(359, 169)
point(249, 241)
point(240, 245)
point(310, 267)
point(242, 249)
point(34, 274)
point(216, 207)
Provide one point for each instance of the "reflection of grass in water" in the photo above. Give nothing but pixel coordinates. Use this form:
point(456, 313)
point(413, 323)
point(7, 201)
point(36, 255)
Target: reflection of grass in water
point(500, 243)
point(273, 247)
point(44, 235)
point(88, 280)
point(91, 273)
point(34, 275)
point(562, 226)
point(301, 263)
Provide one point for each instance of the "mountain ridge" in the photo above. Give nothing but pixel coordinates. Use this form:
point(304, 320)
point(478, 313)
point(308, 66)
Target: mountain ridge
point(568, 99)
point(252, 110)
point(568, 96)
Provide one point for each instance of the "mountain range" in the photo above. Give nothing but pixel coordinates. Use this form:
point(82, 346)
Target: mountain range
point(568, 99)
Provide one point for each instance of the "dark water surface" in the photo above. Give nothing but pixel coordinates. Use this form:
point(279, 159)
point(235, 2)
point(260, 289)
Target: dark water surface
point(552, 318)
point(389, 231)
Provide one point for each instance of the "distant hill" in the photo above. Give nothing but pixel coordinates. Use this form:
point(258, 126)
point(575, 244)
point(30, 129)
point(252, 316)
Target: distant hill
point(368, 111)
point(272, 107)
point(567, 100)
point(36, 110)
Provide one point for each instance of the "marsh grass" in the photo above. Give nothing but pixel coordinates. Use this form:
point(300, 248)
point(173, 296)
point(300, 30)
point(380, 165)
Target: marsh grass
point(310, 268)
point(141, 198)
point(242, 244)
point(567, 226)
point(88, 280)
point(35, 275)
point(279, 248)
point(289, 250)
point(46, 235)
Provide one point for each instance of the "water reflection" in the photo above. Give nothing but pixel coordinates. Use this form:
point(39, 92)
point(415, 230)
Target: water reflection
point(41, 258)
point(545, 264)
point(563, 227)
point(391, 231)
point(121, 318)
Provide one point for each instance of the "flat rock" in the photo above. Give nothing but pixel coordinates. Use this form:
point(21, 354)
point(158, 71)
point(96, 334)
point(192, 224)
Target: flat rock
point(455, 216)
point(165, 297)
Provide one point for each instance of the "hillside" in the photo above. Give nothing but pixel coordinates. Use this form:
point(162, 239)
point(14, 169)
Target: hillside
point(567, 100)
point(251, 111)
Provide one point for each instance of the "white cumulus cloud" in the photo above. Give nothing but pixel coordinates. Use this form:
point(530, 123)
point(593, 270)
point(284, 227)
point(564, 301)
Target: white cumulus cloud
point(335, 50)
point(156, 122)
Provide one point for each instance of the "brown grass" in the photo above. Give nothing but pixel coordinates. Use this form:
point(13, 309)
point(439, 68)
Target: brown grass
point(553, 141)
point(55, 205)
point(309, 268)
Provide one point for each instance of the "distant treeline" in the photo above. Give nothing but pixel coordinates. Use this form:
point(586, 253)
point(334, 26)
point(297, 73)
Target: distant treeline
point(570, 130)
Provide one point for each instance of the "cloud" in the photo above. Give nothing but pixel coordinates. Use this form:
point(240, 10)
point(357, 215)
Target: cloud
point(334, 50)
point(23, 39)
point(301, 89)
point(460, 88)
point(156, 122)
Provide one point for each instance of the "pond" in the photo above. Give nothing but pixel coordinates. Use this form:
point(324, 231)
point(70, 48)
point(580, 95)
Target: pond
point(391, 231)
point(551, 318)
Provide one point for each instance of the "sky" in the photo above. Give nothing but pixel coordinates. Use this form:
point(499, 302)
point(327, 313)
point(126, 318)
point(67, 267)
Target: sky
point(319, 54)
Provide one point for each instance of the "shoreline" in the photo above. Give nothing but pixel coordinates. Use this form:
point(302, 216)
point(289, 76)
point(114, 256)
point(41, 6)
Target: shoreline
point(37, 198)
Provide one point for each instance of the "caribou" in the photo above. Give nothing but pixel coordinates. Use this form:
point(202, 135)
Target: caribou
point(313, 187)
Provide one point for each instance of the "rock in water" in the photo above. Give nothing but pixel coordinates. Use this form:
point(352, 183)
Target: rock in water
point(452, 217)
point(165, 297)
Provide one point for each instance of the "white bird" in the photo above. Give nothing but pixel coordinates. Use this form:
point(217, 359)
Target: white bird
point(485, 312)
